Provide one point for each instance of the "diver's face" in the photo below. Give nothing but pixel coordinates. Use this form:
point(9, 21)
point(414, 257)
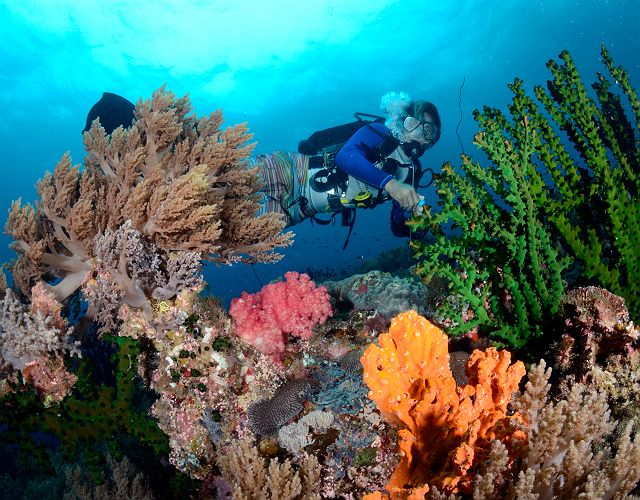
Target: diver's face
point(424, 131)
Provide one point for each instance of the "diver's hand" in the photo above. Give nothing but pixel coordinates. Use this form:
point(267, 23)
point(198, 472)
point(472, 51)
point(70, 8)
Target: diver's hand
point(404, 194)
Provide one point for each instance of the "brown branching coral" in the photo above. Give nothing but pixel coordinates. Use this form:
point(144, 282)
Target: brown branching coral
point(179, 182)
point(123, 480)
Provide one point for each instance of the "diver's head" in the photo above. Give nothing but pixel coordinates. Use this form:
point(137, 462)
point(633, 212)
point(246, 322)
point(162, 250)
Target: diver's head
point(422, 123)
point(412, 122)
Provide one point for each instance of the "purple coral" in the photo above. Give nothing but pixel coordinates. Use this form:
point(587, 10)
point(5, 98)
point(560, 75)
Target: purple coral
point(595, 325)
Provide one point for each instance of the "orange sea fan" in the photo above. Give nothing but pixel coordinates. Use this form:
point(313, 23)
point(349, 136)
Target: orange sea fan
point(445, 431)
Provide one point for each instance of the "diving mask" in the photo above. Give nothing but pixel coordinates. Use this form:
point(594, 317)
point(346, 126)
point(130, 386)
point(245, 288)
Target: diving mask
point(429, 129)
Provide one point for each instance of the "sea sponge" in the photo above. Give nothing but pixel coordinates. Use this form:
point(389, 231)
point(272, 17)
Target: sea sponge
point(411, 382)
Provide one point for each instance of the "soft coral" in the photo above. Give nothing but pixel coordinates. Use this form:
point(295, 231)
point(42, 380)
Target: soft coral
point(292, 306)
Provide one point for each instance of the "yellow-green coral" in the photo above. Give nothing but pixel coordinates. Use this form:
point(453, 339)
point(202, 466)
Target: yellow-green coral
point(502, 227)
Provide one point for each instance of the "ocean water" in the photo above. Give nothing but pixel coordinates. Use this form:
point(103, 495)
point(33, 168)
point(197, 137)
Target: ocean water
point(287, 68)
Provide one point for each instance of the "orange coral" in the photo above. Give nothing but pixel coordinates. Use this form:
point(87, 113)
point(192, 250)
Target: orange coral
point(445, 430)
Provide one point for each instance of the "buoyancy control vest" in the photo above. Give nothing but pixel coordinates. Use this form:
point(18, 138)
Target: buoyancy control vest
point(331, 190)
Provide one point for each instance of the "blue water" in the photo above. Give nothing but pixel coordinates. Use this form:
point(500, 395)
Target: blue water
point(287, 68)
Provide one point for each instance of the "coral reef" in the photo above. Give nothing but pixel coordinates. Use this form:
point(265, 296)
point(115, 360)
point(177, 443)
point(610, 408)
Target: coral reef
point(282, 399)
point(30, 333)
point(124, 481)
point(296, 436)
point(496, 446)
point(340, 390)
point(619, 377)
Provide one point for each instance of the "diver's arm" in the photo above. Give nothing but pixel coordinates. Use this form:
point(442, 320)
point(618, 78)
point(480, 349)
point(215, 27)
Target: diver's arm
point(352, 158)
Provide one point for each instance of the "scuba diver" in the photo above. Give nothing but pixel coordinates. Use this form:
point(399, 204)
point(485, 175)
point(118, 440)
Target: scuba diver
point(337, 170)
point(378, 161)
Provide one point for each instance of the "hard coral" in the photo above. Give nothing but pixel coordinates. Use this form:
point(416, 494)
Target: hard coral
point(411, 382)
point(596, 325)
point(266, 416)
point(383, 292)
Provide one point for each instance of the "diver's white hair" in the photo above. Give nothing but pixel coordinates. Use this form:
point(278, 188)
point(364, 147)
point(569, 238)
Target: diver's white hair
point(396, 106)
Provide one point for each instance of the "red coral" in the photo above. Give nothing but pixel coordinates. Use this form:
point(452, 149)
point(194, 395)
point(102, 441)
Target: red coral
point(293, 306)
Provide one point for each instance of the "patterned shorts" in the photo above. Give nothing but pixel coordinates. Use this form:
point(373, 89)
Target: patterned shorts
point(284, 177)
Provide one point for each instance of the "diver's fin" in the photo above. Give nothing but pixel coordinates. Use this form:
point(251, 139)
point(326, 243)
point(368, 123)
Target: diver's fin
point(113, 111)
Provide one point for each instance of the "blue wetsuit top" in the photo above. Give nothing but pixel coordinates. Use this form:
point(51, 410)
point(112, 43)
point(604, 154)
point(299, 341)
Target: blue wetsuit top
point(352, 158)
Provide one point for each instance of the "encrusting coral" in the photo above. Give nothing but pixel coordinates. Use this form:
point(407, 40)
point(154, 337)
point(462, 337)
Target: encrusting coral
point(180, 183)
point(595, 325)
point(197, 366)
point(410, 381)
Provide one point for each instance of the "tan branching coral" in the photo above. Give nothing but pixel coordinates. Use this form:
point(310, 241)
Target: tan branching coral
point(181, 181)
point(251, 476)
point(574, 448)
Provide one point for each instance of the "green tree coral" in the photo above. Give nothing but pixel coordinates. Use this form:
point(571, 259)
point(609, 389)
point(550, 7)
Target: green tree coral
point(499, 228)
point(500, 258)
point(595, 206)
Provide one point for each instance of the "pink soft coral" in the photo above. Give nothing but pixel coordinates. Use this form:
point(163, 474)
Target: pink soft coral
point(292, 306)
